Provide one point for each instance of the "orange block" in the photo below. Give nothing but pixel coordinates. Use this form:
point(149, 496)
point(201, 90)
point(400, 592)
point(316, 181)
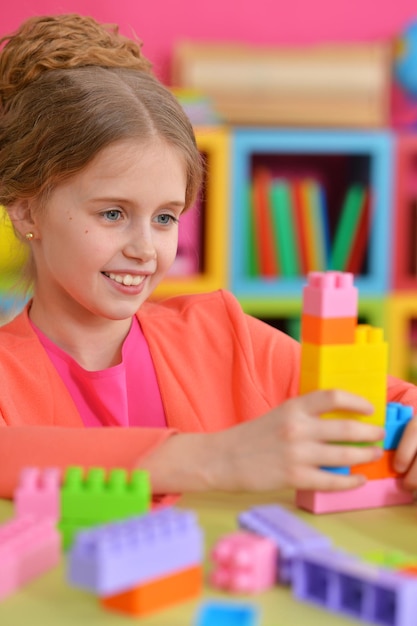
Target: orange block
point(328, 330)
point(383, 468)
point(411, 570)
point(158, 594)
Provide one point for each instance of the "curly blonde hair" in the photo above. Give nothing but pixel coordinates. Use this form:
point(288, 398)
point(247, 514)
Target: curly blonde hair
point(69, 87)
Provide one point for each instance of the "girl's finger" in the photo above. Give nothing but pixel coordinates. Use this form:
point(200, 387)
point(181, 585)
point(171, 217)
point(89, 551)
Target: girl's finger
point(319, 402)
point(407, 448)
point(328, 455)
point(349, 430)
point(321, 480)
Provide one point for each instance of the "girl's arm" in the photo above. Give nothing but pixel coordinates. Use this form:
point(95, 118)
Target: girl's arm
point(284, 448)
point(54, 446)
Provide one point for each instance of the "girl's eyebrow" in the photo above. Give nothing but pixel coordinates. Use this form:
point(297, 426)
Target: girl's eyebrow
point(177, 203)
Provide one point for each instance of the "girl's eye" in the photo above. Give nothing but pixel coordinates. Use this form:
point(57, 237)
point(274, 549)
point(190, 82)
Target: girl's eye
point(112, 215)
point(166, 218)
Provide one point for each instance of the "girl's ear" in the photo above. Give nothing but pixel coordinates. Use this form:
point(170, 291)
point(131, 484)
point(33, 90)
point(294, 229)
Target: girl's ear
point(20, 214)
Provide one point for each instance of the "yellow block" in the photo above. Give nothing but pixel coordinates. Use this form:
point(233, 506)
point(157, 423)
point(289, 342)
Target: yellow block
point(349, 358)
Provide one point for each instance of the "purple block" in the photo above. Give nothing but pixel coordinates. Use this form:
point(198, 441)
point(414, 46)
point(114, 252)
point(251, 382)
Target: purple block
point(113, 558)
point(288, 531)
point(342, 584)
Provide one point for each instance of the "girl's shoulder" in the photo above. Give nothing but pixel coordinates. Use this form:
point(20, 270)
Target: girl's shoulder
point(200, 304)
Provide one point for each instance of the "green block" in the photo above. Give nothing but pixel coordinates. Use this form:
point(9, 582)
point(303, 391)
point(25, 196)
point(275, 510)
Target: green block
point(392, 559)
point(100, 496)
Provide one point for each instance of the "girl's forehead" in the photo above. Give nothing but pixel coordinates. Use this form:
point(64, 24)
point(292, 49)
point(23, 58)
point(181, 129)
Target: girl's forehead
point(118, 155)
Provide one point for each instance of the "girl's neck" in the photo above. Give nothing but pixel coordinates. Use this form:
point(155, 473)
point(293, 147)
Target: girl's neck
point(95, 346)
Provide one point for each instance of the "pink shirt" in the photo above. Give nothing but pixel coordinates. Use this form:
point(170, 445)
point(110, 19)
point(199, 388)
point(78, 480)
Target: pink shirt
point(126, 394)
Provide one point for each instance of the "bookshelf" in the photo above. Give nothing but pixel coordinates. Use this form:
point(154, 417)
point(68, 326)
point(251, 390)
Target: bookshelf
point(404, 274)
point(337, 160)
point(205, 245)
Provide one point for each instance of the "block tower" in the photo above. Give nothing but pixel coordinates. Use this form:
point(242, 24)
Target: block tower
point(339, 353)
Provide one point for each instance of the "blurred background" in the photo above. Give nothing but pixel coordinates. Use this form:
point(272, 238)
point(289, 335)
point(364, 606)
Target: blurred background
point(306, 115)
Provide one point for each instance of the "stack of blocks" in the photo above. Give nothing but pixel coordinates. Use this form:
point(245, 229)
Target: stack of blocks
point(382, 591)
point(30, 544)
point(339, 353)
point(142, 564)
point(137, 561)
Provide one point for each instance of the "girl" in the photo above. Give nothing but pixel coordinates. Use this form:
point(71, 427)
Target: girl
point(97, 164)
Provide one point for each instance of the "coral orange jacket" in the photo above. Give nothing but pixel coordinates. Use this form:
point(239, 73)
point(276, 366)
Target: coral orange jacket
point(216, 367)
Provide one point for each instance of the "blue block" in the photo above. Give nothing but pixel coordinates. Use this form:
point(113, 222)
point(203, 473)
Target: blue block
point(397, 417)
point(214, 613)
point(338, 470)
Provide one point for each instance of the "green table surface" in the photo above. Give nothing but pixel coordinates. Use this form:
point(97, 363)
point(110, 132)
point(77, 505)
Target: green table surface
point(50, 601)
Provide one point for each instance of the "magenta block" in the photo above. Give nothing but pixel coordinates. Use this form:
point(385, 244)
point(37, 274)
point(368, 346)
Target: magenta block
point(371, 495)
point(244, 563)
point(330, 294)
point(37, 493)
point(28, 548)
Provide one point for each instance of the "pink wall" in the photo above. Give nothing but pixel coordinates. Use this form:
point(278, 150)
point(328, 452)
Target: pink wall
point(160, 23)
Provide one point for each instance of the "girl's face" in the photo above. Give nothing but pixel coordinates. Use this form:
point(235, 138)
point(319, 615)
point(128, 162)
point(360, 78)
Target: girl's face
point(109, 235)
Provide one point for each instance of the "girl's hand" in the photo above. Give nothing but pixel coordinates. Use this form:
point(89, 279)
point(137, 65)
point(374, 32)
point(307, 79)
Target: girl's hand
point(405, 460)
point(287, 446)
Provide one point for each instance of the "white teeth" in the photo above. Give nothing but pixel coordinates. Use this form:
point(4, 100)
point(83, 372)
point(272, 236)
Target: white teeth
point(126, 279)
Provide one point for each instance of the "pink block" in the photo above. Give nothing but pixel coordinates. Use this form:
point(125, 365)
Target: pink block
point(330, 294)
point(371, 495)
point(244, 563)
point(8, 572)
point(38, 493)
point(30, 547)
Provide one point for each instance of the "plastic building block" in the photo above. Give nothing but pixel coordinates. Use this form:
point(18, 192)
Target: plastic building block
point(344, 471)
point(113, 558)
point(9, 580)
point(382, 468)
point(330, 294)
point(397, 417)
point(216, 613)
point(104, 496)
point(244, 562)
point(28, 548)
point(158, 594)
point(327, 330)
point(99, 497)
point(38, 493)
point(373, 494)
point(391, 559)
point(367, 352)
point(344, 585)
point(289, 532)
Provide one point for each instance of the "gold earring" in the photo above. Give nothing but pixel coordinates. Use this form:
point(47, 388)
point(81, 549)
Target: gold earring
point(29, 236)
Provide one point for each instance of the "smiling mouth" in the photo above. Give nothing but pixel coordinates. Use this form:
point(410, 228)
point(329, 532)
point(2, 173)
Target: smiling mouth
point(128, 280)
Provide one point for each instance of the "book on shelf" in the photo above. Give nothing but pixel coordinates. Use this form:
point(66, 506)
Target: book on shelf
point(282, 211)
point(322, 84)
point(357, 254)
point(264, 231)
point(354, 205)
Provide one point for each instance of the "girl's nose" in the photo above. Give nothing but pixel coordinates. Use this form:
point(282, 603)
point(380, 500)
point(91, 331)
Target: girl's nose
point(140, 246)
